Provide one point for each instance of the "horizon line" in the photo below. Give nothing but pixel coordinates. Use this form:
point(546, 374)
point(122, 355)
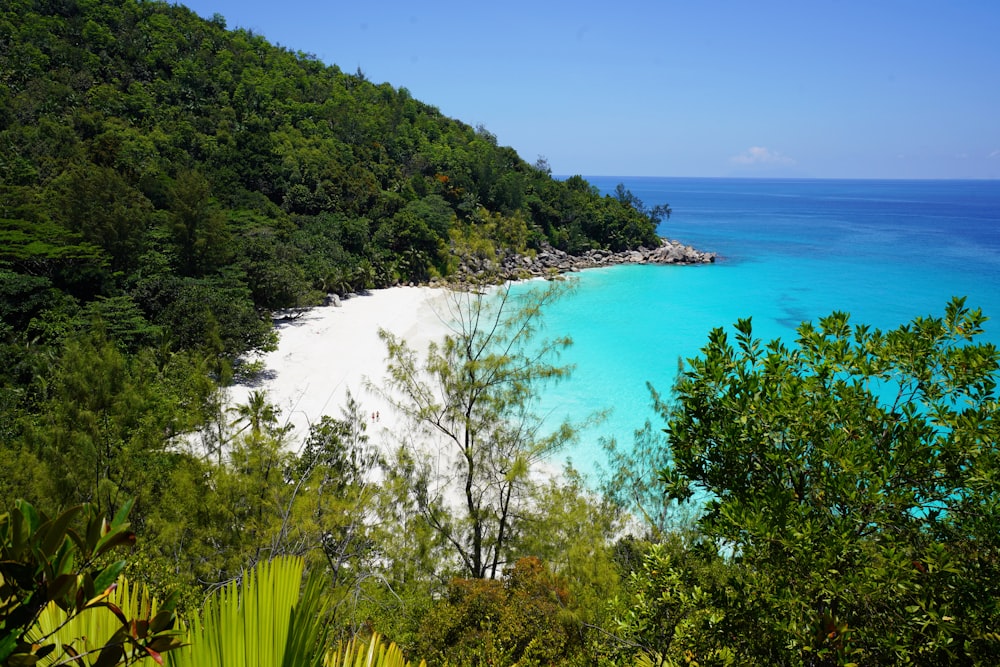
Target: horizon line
point(789, 178)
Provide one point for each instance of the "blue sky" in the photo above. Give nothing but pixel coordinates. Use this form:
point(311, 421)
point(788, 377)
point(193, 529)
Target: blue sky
point(817, 88)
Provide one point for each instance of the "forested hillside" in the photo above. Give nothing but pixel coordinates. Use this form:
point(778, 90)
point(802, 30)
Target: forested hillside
point(175, 178)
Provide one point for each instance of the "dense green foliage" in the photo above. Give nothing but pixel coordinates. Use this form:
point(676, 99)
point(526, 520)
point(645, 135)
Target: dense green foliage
point(853, 488)
point(54, 578)
point(373, 653)
point(208, 510)
point(527, 618)
point(260, 620)
point(167, 184)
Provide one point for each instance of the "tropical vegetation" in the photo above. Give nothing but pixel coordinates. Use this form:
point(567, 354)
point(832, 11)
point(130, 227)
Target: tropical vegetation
point(851, 495)
point(167, 186)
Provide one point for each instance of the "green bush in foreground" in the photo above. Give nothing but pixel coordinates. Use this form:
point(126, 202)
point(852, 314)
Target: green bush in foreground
point(527, 618)
point(853, 486)
point(89, 631)
point(47, 562)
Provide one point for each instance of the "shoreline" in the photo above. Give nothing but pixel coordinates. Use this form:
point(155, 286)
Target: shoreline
point(326, 351)
point(549, 261)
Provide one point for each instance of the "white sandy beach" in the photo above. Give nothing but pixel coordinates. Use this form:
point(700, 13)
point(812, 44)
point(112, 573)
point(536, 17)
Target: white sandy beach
point(331, 350)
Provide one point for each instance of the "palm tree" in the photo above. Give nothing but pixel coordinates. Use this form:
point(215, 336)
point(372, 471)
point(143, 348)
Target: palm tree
point(258, 413)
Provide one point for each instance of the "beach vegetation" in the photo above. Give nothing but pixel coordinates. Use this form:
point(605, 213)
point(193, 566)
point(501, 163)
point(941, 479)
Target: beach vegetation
point(267, 617)
point(526, 617)
point(374, 653)
point(473, 396)
point(850, 494)
point(105, 421)
point(167, 185)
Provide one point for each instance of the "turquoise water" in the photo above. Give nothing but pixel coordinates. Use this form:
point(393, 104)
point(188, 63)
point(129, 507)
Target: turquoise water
point(791, 250)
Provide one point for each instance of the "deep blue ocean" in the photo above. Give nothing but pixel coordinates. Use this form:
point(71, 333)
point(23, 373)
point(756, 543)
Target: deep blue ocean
point(789, 251)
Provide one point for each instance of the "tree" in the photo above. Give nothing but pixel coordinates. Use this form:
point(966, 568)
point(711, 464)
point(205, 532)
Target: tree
point(337, 466)
point(476, 391)
point(198, 229)
point(105, 210)
point(655, 215)
point(524, 619)
point(632, 483)
point(108, 422)
point(853, 484)
point(573, 529)
point(255, 490)
point(44, 254)
point(258, 414)
point(215, 315)
point(666, 611)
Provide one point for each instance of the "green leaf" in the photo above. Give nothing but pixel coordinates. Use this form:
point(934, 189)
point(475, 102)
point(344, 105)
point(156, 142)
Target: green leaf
point(85, 592)
point(110, 656)
point(108, 576)
point(77, 540)
point(65, 559)
point(60, 586)
point(93, 533)
point(56, 531)
point(17, 538)
point(114, 539)
point(163, 620)
point(30, 514)
point(139, 629)
point(119, 522)
point(8, 642)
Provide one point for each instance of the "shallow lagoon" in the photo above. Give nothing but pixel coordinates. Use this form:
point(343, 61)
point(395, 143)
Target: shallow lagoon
point(792, 250)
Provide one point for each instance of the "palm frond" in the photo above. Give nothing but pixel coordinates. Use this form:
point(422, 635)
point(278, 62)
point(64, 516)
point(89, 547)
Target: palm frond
point(260, 620)
point(356, 653)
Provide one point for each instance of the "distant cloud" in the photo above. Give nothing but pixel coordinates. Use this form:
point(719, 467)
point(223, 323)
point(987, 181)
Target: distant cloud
point(994, 154)
point(760, 155)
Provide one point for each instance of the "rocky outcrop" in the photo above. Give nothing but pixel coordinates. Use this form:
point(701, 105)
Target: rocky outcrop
point(549, 261)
